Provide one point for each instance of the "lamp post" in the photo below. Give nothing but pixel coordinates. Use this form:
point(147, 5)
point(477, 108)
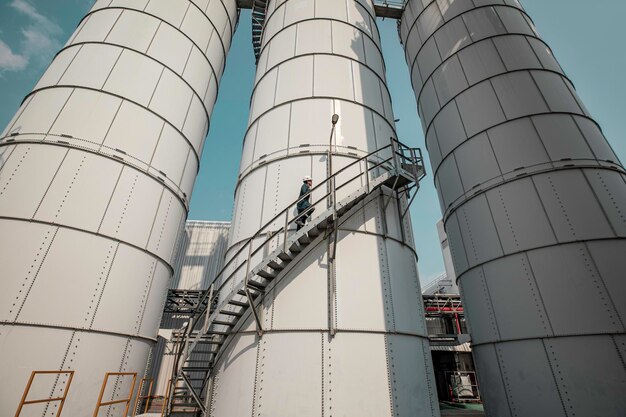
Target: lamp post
point(332, 237)
point(331, 182)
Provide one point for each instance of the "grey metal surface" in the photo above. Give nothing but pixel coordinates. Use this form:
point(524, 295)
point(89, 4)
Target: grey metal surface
point(96, 172)
point(532, 197)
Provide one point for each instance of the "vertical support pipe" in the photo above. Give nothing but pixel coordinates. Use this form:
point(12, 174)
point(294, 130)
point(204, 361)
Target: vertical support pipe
point(96, 172)
point(533, 200)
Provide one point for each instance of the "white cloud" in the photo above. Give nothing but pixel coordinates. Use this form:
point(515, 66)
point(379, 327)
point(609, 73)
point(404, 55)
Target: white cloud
point(44, 24)
point(40, 39)
point(9, 60)
point(38, 44)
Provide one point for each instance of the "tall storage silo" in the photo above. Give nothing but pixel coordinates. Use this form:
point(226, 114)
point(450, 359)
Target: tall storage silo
point(533, 200)
point(96, 172)
point(344, 337)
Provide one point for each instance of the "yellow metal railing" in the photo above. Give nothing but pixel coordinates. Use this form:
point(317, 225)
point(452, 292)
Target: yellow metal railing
point(140, 397)
point(61, 399)
point(101, 404)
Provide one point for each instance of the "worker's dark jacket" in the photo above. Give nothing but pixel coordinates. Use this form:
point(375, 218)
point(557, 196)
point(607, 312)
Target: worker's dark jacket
point(306, 202)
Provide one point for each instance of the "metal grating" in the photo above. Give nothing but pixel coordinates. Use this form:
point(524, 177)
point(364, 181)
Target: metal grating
point(390, 8)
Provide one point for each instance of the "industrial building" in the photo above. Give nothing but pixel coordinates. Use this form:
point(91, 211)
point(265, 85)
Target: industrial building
point(317, 308)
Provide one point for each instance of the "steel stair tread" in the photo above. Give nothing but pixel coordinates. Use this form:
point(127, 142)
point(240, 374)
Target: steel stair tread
point(276, 266)
point(304, 239)
point(253, 293)
point(256, 285)
point(285, 257)
point(267, 275)
point(238, 303)
point(231, 313)
point(224, 323)
point(295, 248)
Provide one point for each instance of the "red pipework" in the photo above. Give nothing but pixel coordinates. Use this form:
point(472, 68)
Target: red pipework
point(453, 309)
point(458, 324)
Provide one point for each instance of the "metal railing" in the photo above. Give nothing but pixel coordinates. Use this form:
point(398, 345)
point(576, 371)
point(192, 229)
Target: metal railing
point(401, 156)
point(394, 159)
point(127, 400)
point(400, 4)
point(138, 401)
point(148, 398)
point(60, 399)
point(463, 386)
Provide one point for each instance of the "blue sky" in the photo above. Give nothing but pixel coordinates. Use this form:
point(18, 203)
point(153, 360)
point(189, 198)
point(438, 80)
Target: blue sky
point(587, 38)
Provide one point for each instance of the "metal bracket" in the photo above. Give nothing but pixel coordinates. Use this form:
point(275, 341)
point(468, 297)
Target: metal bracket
point(408, 207)
point(193, 392)
point(259, 327)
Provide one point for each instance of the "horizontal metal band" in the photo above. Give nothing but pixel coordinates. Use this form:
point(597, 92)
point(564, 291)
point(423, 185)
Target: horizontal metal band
point(64, 144)
point(401, 243)
point(382, 116)
point(320, 19)
point(457, 52)
point(465, 198)
point(194, 152)
point(352, 153)
point(65, 226)
point(234, 335)
point(235, 245)
point(78, 329)
point(523, 251)
point(489, 79)
point(338, 330)
point(172, 26)
point(487, 6)
point(283, 4)
point(314, 54)
point(528, 116)
point(180, 77)
point(556, 336)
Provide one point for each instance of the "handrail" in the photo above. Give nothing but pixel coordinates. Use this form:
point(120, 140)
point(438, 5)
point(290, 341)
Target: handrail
point(245, 242)
point(397, 158)
point(61, 399)
point(262, 229)
point(147, 397)
point(127, 400)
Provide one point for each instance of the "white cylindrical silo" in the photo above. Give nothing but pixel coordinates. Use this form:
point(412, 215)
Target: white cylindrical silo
point(321, 57)
point(96, 172)
point(533, 200)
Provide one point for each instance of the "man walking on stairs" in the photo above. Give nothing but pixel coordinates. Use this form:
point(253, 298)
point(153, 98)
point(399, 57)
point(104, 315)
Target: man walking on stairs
point(304, 204)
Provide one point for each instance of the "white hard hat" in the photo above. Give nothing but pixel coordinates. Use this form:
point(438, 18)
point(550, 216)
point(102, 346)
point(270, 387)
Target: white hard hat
point(307, 178)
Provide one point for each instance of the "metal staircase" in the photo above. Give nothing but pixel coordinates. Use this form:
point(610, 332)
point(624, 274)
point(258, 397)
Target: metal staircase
point(240, 287)
point(259, 8)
